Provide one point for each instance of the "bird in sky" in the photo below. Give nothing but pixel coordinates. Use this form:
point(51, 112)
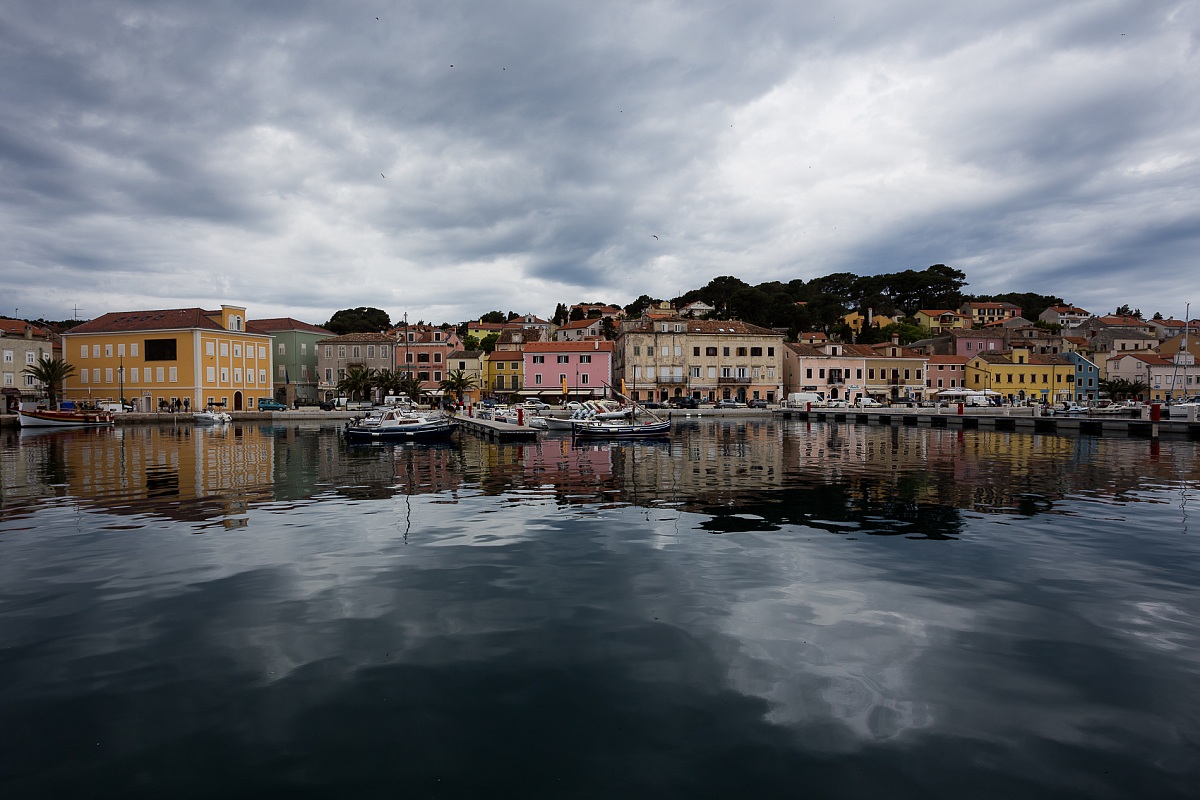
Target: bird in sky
point(382, 175)
point(654, 236)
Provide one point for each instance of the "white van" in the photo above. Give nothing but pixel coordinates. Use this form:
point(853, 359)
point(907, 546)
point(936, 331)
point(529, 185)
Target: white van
point(867, 402)
point(805, 399)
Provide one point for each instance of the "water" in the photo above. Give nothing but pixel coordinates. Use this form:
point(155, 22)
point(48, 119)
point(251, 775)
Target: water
point(754, 609)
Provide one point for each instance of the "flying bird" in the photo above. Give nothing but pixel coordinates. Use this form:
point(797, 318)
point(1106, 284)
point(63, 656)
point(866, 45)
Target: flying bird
point(382, 175)
point(654, 236)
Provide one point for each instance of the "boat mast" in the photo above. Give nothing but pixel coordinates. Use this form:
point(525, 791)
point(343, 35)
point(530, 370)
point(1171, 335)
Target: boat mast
point(1182, 349)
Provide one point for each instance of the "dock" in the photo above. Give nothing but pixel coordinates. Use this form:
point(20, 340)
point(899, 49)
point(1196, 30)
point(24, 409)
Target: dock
point(1017, 420)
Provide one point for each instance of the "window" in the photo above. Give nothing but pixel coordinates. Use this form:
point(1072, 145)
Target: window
point(329, 351)
point(423, 358)
point(678, 351)
point(537, 379)
point(696, 351)
point(756, 352)
point(771, 352)
point(564, 359)
point(694, 372)
point(108, 351)
point(583, 378)
point(304, 348)
point(499, 365)
point(96, 350)
point(210, 348)
point(384, 351)
point(224, 349)
point(536, 360)
point(356, 352)
point(280, 370)
point(725, 351)
point(159, 375)
point(224, 375)
point(210, 375)
point(329, 375)
point(341, 351)
point(82, 351)
point(173, 374)
point(133, 374)
point(237, 351)
point(437, 358)
point(710, 351)
point(29, 357)
point(808, 373)
point(741, 351)
point(160, 350)
point(637, 350)
point(83, 376)
point(871, 374)
point(8, 379)
point(237, 375)
point(585, 359)
point(370, 351)
point(133, 348)
point(666, 351)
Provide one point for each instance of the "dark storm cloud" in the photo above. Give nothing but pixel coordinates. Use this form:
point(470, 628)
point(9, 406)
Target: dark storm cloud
point(299, 156)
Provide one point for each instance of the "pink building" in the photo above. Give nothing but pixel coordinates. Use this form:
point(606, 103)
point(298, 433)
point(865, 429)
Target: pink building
point(585, 368)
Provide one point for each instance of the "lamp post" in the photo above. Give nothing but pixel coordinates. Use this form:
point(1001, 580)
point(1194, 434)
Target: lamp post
point(121, 381)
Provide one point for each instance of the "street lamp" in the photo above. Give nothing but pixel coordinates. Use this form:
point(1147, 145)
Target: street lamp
point(121, 381)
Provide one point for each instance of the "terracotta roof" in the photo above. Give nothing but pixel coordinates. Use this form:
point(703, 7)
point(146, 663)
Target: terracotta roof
point(935, 360)
point(705, 326)
point(1006, 357)
point(287, 324)
point(368, 338)
point(16, 327)
point(161, 320)
point(461, 354)
point(581, 323)
point(587, 346)
point(1145, 356)
point(807, 350)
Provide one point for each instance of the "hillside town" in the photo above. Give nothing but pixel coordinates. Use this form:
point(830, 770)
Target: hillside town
point(149, 360)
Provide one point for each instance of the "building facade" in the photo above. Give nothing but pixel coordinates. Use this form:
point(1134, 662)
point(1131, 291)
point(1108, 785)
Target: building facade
point(296, 377)
point(337, 355)
point(22, 344)
point(574, 370)
point(661, 358)
point(175, 358)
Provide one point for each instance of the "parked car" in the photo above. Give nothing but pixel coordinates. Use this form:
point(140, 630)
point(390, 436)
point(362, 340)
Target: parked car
point(653, 404)
point(267, 404)
point(573, 405)
point(756, 404)
point(730, 404)
point(536, 405)
point(868, 402)
point(684, 402)
point(836, 404)
point(326, 405)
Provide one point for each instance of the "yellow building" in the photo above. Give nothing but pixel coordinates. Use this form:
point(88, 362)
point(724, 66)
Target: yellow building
point(856, 321)
point(938, 320)
point(1022, 375)
point(157, 359)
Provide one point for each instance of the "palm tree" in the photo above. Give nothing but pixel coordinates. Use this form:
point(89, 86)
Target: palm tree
point(411, 386)
point(359, 381)
point(459, 382)
point(388, 381)
point(50, 372)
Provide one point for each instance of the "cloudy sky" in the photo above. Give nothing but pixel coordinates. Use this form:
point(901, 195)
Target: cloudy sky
point(449, 158)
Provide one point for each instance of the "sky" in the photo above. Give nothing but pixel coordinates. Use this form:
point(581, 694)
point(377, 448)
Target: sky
point(444, 159)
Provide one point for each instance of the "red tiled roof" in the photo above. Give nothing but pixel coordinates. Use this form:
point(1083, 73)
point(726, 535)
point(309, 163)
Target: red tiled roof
point(286, 324)
point(570, 347)
point(161, 320)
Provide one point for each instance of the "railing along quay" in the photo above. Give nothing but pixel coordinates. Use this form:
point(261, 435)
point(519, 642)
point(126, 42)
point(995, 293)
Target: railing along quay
point(1011, 419)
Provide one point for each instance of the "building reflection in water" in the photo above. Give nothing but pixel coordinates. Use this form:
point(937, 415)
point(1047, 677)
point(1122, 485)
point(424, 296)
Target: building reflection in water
point(747, 475)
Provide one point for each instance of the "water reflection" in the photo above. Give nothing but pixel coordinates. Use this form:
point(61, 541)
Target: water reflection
point(743, 476)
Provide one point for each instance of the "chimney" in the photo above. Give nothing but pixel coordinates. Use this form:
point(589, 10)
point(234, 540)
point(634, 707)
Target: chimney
point(895, 338)
point(870, 316)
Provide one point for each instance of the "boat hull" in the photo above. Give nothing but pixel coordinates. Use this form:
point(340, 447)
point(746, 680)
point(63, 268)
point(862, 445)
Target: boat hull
point(617, 430)
point(424, 432)
point(64, 419)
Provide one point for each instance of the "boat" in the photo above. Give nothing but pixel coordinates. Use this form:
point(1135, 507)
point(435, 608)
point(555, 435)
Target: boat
point(619, 429)
point(625, 426)
point(64, 418)
point(211, 416)
point(400, 425)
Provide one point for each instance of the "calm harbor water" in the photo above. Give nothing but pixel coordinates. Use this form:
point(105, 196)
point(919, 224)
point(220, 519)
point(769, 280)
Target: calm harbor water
point(754, 609)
